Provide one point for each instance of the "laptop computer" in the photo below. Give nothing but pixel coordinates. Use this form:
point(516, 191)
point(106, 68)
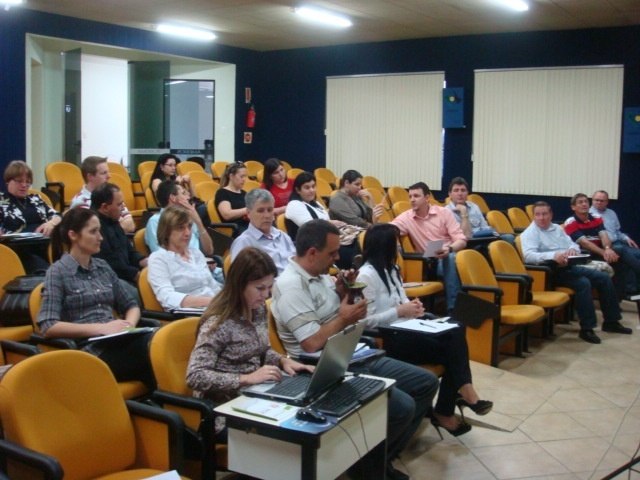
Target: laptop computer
point(329, 372)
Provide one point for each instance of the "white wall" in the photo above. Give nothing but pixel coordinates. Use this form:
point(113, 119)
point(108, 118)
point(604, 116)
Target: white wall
point(105, 107)
point(225, 110)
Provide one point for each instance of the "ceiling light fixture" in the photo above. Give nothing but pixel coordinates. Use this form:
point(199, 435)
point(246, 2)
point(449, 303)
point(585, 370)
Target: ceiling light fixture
point(517, 5)
point(322, 16)
point(186, 32)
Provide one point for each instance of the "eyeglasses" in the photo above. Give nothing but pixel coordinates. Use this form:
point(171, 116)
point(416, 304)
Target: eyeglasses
point(21, 182)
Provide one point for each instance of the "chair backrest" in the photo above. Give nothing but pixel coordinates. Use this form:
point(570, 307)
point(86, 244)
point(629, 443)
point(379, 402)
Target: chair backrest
point(327, 175)
point(378, 196)
point(214, 216)
point(397, 194)
point(434, 201)
point(67, 173)
point(147, 297)
point(323, 188)
point(217, 169)
point(226, 264)
point(139, 244)
point(474, 269)
point(150, 198)
point(206, 191)
point(118, 168)
point(250, 185)
point(505, 258)
point(400, 207)
point(518, 218)
point(369, 181)
point(45, 198)
point(519, 247)
point(67, 404)
point(529, 210)
point(145, 179)
point(294, 172)
point(35, 300)
point(274, 339)
point(281, 223)
point(479, 201)
point(187, 167)
point(169, 349)
point(260, 175)
point(253, 167)
point(199, 176)
point(499, 222)
point(124, 184)
point(146, 168)
point(11, 266)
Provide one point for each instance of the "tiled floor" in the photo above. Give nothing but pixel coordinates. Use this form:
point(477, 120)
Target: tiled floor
point(569, 410)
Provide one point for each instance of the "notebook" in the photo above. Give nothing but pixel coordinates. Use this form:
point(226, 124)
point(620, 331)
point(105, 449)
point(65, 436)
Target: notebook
point(329, 371)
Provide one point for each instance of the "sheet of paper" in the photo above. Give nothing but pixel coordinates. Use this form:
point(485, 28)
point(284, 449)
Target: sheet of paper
point(426, 326)
point(264, 408)
point(432, 248)
point(130, 331)
point(189, 310)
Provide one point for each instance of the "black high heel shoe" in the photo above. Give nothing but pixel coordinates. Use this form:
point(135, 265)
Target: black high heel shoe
point(481, 407)
point(459, 430)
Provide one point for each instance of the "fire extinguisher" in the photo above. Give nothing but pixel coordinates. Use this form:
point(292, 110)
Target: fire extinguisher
point(251, 117)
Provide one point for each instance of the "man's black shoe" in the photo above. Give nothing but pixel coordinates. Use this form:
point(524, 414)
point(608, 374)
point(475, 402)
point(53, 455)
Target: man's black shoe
point(394, 474)
point(589, 336)
point(616, 327)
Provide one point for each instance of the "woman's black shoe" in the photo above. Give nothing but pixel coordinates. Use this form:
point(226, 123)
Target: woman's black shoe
point(481, 407)
point(459, 430)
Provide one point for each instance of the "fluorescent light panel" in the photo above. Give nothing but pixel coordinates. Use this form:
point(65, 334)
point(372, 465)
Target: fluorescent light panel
point(517, 5)
point(11, 2)
point(323, 16)
point(186, 32)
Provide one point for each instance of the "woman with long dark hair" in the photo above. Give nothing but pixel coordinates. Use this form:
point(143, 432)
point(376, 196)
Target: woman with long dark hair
point(352, 204)
point(390, 303)
point(229, 199)
point(232, 348)
point(166, 169)
point(81, 293)
point(275, 180)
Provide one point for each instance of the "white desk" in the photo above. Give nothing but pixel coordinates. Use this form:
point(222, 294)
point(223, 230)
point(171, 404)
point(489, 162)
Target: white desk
point(293, 449)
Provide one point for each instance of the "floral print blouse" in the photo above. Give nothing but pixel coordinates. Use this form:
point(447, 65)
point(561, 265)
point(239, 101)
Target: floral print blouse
point(23, 214)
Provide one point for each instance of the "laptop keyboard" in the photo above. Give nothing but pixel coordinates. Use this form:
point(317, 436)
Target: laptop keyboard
point(291, 386)
point(348, 395)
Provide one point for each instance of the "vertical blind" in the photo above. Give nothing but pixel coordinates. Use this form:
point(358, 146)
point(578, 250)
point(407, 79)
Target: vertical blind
point(387, 126)
point(547, 131)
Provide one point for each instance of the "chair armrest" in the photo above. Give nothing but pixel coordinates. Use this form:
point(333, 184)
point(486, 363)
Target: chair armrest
point(57, 343)
point(46, 464)
point(149, 322)
point(426, 269)
point(13, 351)
point(151, 315)
point(497, 292)
point(153, 450)
point(58, 187)
point(199, 415)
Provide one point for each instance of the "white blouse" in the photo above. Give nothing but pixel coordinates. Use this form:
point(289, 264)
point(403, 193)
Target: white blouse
point(298, 212)
point(172, 278)
point(382, 309)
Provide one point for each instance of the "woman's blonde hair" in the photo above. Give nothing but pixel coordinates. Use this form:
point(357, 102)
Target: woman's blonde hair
point(251, 264)
point(172, 217)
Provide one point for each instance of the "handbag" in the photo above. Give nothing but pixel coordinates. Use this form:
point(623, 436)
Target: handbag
point(14, 304)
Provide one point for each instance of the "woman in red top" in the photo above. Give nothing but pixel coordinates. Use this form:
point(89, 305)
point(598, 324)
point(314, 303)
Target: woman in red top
point(275, 180)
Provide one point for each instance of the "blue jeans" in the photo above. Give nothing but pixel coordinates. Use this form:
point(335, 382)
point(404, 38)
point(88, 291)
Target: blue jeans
point(582, 280)
point(449, 273)
point(409, 402)
point(631, 257)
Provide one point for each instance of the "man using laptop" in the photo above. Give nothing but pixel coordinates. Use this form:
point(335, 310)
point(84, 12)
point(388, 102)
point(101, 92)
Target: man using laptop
point(425, 223)
point(309, 307)
point(544, 241)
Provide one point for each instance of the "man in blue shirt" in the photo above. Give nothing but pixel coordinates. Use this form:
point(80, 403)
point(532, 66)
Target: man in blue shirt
point(622, 243)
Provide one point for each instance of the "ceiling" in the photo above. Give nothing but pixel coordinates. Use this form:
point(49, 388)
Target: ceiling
point(271, 25)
